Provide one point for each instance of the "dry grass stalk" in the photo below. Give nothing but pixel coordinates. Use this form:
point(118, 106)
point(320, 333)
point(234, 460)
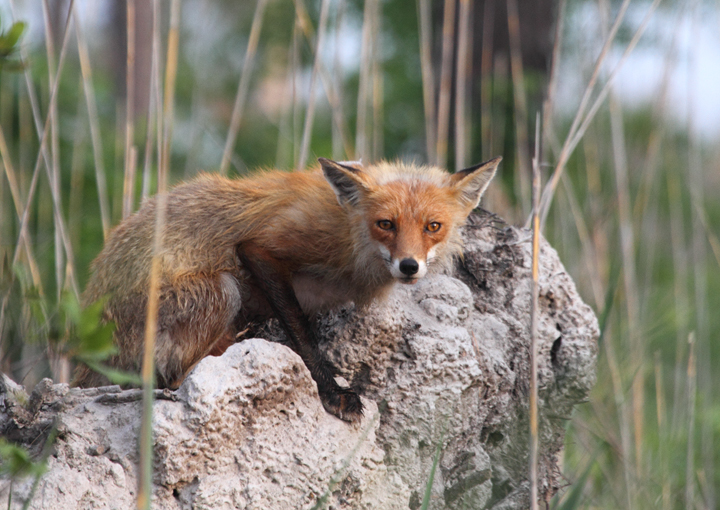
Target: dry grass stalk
point(627, 243)
point(296, 84)
point(243, 86)
point(657, 135)
point(19, 208)
point(377, 86)
point(59, 364)
point(462, 75)
point(522, 165)
point(660, 410)
point(499, 120)
point(95, 137)
point(534, 437)
point(169, 93)
point(154, 113)
point(678, 242)
point(310, 114)
point(705, 368)
point(428, 78)
point(589, 255)
point(709, 235)
point(77, 175)
point(625, 450)
point(148, 366)
point(361, 132)
point(54, 145)
point(549, 103)
point(690, 460)
point(486, 79)
point(283, 155)
point(94, 127)
point(337, 77)
point(443, 123)
point(302, 20)
point(130, 150)
point(128, 203)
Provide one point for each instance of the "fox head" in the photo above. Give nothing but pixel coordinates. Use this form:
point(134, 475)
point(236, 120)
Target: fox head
point(407, 215)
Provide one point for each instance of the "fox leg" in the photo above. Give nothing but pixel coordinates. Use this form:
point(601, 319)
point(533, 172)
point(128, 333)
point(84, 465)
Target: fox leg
point(275, 284)
point(195, 318)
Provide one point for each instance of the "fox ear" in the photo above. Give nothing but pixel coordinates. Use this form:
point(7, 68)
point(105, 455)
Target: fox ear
point(345, 180)
point(472, 182)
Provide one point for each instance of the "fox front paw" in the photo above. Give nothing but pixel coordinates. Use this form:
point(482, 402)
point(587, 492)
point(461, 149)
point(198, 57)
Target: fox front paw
point(343, 403)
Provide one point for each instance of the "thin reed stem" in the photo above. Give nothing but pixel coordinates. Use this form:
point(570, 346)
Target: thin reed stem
point(154, 114)
point(310, 114)
point(333, 96)
point(54, 147)
point(627, 243)
point(361, 130)
point(377, 86)
point(549, 103)
point(337, 78)
point(588, 246)
point(662, 450)
point(703, 336)
point(283, 155)
point(243, 86)
point(171, 63)
point(522, 165)
point(486, 79)
point(691, 395)
point(148, 366)
point(678, 244)
point(448, 47)
point(463, 74)
point(95, 136)
point(130, 150)
point(534, 435)
point(19, 208)
point(428, 78)
point(128, 203)
point(709, 235)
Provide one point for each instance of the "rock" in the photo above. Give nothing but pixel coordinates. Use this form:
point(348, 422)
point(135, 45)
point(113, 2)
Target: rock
point(443, 367)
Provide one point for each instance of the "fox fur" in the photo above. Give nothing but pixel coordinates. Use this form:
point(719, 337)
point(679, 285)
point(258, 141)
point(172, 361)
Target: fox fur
point(276, 244)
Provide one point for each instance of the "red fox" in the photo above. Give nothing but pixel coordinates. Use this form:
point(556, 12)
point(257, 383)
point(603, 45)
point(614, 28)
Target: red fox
point(277, 244)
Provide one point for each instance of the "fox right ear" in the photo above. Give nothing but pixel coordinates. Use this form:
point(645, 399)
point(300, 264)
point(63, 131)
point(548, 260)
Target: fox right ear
point(345, 180)
point(472, 182)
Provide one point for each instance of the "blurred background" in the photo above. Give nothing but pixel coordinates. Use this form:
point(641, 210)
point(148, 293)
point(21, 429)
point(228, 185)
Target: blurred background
point(616, 102)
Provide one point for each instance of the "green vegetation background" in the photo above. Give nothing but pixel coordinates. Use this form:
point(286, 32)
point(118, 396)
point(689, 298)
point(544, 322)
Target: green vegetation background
point(661, 452)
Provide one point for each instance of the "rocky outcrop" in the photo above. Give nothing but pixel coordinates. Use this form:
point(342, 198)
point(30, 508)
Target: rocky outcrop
point(443, 367)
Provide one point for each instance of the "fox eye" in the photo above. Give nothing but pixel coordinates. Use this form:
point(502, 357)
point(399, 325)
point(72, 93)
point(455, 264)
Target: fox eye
point(433, 226)
point(385, 224)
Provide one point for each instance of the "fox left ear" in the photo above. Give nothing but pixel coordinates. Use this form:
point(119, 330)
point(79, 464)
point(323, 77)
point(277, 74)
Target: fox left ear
point(345, 180)
point(472, 182)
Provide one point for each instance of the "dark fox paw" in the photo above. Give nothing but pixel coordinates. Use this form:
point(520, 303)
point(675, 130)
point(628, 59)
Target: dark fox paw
point(343, 403)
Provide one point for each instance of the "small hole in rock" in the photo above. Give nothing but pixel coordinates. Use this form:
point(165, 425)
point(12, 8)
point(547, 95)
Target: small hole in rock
point(554, 350)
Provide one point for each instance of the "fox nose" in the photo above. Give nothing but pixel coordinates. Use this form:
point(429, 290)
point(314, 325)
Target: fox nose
point(409, 266)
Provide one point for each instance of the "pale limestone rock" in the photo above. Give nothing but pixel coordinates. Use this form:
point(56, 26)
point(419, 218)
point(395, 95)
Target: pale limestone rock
point(443, 366)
